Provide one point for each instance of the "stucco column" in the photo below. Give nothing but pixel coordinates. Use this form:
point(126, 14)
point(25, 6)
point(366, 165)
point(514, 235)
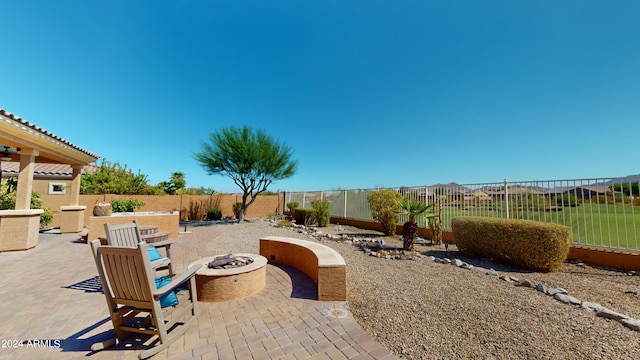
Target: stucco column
point(19, 227)
point(74, 199)
point(25, 178)
point(73, 214)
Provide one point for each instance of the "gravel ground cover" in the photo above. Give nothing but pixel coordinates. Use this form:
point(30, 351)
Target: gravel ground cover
point(422, 309)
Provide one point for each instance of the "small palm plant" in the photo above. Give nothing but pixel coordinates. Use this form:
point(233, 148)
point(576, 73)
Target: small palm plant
point(415, 210)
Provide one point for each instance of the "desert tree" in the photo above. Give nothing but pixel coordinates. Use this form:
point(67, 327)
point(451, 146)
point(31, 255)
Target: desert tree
point(251, 158)
point(174, 185)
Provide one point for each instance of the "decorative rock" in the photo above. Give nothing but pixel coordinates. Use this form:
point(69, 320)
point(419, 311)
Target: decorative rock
point(467, 266)
point(553, 291)
point(492, 272)
point(541, 288)
point(632, 324)
point(567, 299)
point(525, 283)
point(610, 314)
point(457, 262)
point(506, 278)
point(591, 306)
point(446, 261)
point(432, 258)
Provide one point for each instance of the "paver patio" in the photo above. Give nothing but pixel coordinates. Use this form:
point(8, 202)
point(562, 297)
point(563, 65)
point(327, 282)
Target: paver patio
point(51, 306)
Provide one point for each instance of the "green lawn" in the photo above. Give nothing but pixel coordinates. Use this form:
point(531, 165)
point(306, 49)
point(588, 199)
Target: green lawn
point(597, 225)
point(610, 226)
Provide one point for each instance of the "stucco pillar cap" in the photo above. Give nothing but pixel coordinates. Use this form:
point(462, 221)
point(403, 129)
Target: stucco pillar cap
point(73, 207)
point(21, 212)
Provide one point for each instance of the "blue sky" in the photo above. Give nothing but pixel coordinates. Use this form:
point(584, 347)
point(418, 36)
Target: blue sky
point(367, 93)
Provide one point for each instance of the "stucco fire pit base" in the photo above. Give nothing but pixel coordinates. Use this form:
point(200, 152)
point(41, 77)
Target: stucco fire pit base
point(217, 285)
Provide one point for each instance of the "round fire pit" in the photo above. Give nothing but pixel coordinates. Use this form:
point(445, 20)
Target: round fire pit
point(230, 277)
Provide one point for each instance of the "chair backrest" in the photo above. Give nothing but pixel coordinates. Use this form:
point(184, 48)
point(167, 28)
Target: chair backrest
point(126, 274)
point(124, 235)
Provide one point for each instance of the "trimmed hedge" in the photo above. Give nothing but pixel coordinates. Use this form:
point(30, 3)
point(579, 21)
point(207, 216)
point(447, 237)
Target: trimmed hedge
point(527, 244)
point(302, 215)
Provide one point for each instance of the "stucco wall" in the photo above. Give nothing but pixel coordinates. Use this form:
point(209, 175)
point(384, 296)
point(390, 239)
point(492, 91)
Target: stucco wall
point(53, 201)
point(263, 206)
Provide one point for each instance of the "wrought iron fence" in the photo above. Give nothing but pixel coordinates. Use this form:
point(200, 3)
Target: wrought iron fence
point(601, 212)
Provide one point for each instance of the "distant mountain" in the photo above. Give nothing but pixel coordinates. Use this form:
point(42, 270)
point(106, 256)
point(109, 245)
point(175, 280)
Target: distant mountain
point(452, 185)
point(626, 179)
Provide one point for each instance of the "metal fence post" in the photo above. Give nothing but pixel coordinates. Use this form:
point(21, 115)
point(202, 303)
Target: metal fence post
point(345, 203)
point(506, 198)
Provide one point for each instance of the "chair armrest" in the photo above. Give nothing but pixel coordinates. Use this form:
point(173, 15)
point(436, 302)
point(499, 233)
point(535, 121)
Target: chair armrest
point(177, 281)
point(161, 244)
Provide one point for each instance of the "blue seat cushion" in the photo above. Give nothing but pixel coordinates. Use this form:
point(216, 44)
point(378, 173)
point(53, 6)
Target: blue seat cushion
point(153, 253)
point(170, 298)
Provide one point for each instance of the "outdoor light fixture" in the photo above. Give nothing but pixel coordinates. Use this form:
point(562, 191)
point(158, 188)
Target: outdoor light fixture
point(8, 151)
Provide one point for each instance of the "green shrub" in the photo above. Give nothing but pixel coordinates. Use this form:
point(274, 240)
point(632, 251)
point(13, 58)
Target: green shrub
point(303, 216)
point(384, 206)
point(526, 244)
point(292, 206)
point(214, 214)
point(321, 212)
point(128, 205)
point(46, 217)
point(8, 201)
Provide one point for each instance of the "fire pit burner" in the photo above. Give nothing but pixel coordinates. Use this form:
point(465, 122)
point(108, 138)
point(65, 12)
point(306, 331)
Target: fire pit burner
point(229, 261)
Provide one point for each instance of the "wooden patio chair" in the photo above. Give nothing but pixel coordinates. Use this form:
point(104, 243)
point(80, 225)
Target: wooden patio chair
point(128, 235)
point(136, 299)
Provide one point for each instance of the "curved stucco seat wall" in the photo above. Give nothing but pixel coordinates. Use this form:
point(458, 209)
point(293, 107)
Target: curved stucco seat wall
point(322, 264)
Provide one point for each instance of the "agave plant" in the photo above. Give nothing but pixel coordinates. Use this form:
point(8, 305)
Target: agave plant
point(415, 210)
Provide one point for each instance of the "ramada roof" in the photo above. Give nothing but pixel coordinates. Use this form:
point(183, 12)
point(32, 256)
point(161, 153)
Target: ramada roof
point(12, 168)
point(12, 122)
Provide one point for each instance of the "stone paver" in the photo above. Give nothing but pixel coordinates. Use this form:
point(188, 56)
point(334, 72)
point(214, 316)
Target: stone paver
point(51, 306)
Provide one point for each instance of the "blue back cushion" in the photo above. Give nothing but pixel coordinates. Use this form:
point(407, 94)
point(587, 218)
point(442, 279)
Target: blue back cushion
point(153, 253)
point(169, 299)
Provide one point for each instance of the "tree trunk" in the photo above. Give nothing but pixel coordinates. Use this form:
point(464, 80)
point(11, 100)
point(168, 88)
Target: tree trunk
point(409, 234)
